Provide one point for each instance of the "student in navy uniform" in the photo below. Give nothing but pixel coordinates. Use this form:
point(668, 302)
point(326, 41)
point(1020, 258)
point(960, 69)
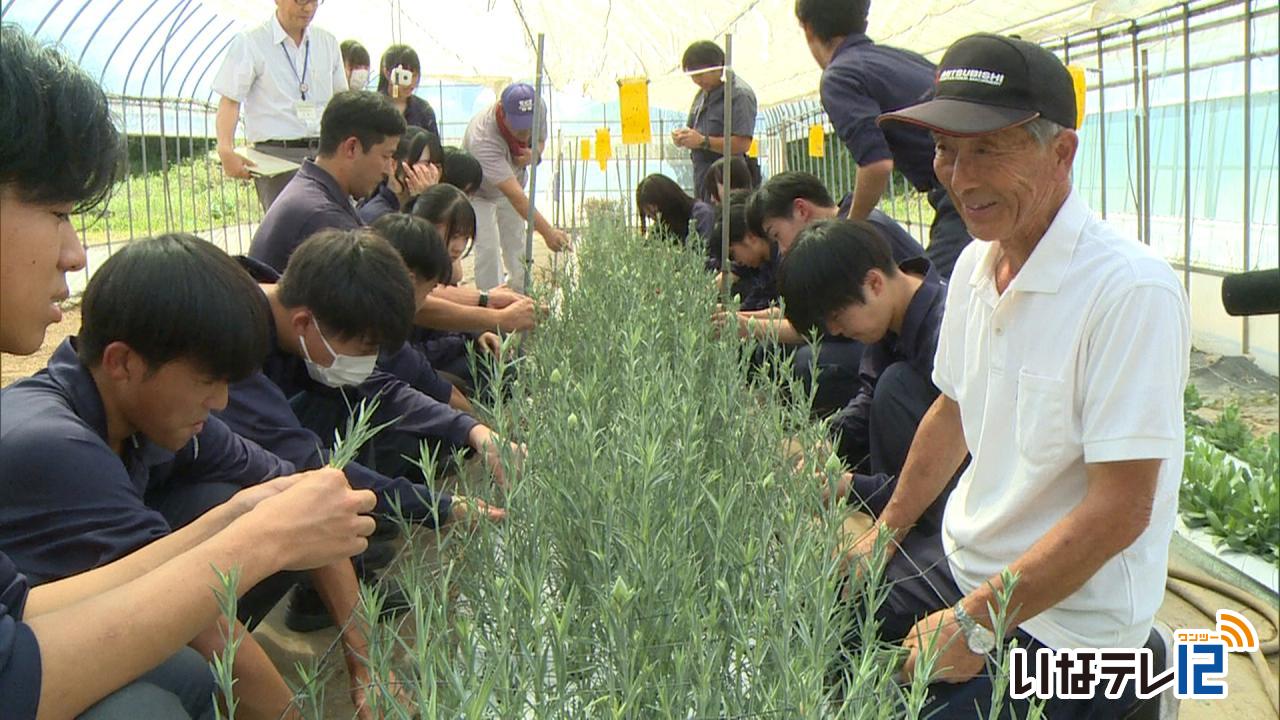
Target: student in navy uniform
point(778, 210)
point(862, 80)
point(755, 259)
point(359, 134)
point(842, 276)
point(664, 204)
point(705, 135)
point(166, 325)
point(462, 170)
point(416, 111)
point(418, 160)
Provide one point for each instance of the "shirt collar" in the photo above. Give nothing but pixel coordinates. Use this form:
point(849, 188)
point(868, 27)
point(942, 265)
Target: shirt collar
point(278, 35)
point(66, 370)
point(850, 41)
point(930, 293)
point(1047, 266)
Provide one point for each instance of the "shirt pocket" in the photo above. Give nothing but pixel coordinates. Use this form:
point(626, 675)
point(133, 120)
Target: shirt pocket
point(1042, 421)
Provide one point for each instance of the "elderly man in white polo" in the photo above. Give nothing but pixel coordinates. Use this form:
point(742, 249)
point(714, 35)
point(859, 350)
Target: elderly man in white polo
point(1061, 363)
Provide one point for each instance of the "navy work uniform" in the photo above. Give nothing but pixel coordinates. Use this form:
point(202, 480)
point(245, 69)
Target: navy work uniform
point(706, 115)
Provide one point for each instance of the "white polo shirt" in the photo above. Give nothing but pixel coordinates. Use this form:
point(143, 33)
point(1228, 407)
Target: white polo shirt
point(264, 71)
point(1083, 359)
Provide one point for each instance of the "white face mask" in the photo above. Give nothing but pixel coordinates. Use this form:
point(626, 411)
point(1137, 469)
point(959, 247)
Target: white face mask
point(359, 79)
point(346, 370)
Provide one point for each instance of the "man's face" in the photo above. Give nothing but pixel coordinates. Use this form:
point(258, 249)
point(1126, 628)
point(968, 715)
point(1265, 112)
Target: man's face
point(752, 251)
point(295, 15)
point(421, 289)
point(370, 168)
point(707, 79)
point(1004, 183)
point(305, 326)
point(868, 321)
point(784, 230)
point(170, 404)
point(524, 136)
point(38, 247)
point(817, 48)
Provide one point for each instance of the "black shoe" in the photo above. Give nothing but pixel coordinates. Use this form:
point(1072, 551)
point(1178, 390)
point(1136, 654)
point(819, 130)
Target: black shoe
point(375, 558)
point(306, 612)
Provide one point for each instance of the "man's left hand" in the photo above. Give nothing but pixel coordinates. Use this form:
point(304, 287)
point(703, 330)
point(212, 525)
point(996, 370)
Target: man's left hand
point(687, 138)
point(941, 633)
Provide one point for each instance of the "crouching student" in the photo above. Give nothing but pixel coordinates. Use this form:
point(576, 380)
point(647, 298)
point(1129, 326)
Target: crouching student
point(166, 325)
point(778, 210)
point(672, 211)
point(841, 276)
point(416, 166)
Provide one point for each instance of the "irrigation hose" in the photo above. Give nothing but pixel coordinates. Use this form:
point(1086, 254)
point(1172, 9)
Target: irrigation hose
point(1254, 603)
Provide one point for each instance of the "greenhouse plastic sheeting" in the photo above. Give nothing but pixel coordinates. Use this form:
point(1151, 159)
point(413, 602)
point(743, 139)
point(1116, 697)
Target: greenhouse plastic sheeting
point(171, 48)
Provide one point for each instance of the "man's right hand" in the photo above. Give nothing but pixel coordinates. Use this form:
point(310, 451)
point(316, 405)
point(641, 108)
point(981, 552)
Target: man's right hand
point(558, 240)
point(503, 296)
point(469, 512)
point(318, 520)
point(517, 316)
point(234, 165)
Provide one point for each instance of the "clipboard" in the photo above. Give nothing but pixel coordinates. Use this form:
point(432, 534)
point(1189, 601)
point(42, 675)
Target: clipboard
point(266, 165)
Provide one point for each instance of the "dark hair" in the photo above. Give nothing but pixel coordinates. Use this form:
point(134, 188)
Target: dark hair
point(176, 297)
point(447, 205)
point(401, 55)
point(829, 19)
point(419, 245)
point(702, 54)
point(354, 54)
point(739, 178)
point(367, 116)
point(774, 198)
point(57, 142)
point(461, 170)
point(354, 283)
point(825, 270)
point(675, 206)
point(417, 145)
point(737, 220)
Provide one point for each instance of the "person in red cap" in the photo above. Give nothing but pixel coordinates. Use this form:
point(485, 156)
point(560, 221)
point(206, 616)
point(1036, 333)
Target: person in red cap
point(1061, 361)
point(501, 138)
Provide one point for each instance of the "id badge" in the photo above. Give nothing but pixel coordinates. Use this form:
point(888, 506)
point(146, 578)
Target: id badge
point(309, 114)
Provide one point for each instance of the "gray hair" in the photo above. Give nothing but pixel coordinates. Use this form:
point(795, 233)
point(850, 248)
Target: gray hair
point(1044, 131)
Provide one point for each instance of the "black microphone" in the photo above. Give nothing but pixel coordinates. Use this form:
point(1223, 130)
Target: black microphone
point(1252, 293)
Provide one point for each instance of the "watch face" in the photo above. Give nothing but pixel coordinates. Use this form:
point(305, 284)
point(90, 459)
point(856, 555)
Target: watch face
point(981, 640)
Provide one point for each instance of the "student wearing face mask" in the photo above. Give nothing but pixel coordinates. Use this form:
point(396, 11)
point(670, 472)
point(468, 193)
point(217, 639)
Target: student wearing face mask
point(398, 77)
point(355, 62)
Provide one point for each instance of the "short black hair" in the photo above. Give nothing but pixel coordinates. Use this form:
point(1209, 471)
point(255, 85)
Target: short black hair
point(739, 177)
point(701, 55)
point(737, 219)
point(397, 55)
point(461, 170)
point(367, 116)
point(825, 270)
point(419, 245)
point(57, 141)
point(353, 53)
point(447, 205)
point(829, 19)
point(354, 283)
point(417, 145)
point(675, 206)
point(773, 199)
point(176, 297)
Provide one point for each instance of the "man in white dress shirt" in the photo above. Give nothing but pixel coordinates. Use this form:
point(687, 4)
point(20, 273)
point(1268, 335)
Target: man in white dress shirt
point(279, 76)
point(1061, 362)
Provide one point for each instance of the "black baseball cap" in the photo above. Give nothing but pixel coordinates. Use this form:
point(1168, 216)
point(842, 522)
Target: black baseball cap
point(988, 83)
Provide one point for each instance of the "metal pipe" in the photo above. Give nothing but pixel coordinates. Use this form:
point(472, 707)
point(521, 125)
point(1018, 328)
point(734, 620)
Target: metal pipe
point(1102, 129)
point(1146, 150)
point(534, 141)
point(1186, 148)
point(1248, 154)
point(1137, 128)
point(725, 262)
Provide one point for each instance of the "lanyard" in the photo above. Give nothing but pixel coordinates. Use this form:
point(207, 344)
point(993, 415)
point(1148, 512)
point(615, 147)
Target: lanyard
point(306, 61)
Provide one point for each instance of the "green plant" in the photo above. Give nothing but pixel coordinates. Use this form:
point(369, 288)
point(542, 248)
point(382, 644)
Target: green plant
point(1229, 433)
point(1236, 503)
point(1191, 399)
point(224, 662)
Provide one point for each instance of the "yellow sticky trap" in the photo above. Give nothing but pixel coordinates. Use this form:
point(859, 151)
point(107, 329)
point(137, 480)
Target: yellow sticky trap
point(604, 150)
point(633, 97)
point(817, 141)
point(584, 148)
point(1081, 85)
point(754, 150)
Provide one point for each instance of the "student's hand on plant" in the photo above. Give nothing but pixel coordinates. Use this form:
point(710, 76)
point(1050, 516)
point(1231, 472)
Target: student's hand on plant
point(490, 343)
point(503, 296)
point(940, 633)
point(488, 445)
point(842, 487)
point(517, 316)
point(234, 165)
point(469, 512)
point(856, 555)
point(558, 240)
point(317, 521)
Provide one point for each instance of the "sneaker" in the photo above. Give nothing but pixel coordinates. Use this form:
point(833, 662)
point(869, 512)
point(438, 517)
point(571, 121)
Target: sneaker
point(306, 612)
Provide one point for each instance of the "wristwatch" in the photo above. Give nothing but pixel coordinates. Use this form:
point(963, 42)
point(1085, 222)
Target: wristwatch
point(706, 143)
point(979, 639)
point(484, 298)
